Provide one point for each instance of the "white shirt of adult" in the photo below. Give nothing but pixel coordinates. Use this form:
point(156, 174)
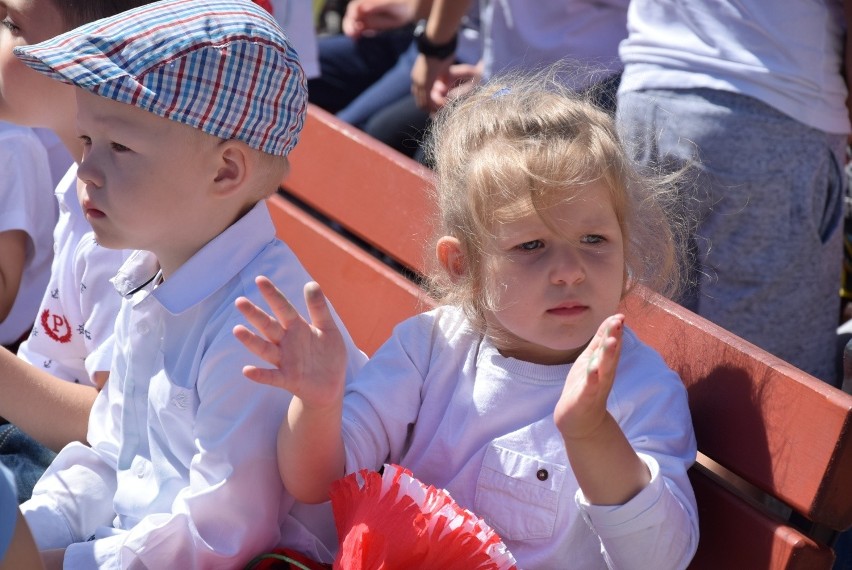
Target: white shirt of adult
point(518, 34)
point(788, 53)
point(27, 205)
point(182, 469)
point(75, 320)
point(441, 401)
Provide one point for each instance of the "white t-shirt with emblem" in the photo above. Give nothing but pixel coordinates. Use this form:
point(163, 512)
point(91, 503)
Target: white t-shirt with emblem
point(70, 337)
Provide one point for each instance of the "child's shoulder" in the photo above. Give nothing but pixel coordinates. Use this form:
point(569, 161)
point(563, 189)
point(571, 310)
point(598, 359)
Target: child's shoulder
point(444, 327)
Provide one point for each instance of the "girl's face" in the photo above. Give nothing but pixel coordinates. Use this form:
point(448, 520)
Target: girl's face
point(26, 96)
point(553, 290)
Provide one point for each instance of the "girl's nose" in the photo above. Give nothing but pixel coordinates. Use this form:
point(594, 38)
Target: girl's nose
point(567, 268)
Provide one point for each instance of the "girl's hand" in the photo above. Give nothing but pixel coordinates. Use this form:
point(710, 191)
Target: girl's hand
point(581, 408)
point(309, 359)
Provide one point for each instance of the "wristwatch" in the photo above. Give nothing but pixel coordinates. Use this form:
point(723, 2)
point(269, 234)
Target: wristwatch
point(429, 49)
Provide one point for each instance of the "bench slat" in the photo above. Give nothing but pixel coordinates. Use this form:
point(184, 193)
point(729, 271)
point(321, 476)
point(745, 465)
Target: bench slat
point(760, 540)
point(768, 422)
point(382, 298)
point(379, 195)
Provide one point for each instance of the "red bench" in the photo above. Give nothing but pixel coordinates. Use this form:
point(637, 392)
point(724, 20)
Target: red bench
point(774, 476)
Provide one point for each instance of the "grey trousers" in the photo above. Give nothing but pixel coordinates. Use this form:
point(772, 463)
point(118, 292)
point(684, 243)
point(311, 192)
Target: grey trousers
point(766, 194)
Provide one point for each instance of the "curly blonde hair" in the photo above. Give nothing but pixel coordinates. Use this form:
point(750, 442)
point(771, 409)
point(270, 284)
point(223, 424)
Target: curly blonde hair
point(528, 141)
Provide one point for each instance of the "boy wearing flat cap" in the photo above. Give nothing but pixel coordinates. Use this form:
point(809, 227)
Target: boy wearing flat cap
point(187, 110)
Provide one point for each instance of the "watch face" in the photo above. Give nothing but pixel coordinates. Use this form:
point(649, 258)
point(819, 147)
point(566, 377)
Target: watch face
point(420, 29)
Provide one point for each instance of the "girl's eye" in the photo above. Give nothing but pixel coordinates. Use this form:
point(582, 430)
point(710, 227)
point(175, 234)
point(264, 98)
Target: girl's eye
point(118, 147)
point(531, 245)
point(593, 239)
point(85, 140)
point(9, 25)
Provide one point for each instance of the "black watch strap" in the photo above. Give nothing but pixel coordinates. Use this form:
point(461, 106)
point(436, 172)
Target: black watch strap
point(429, 49)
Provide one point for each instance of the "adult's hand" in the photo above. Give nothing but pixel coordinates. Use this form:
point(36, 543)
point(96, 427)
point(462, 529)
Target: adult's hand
point(368, 17)
point(459, 80)
point(424, 73)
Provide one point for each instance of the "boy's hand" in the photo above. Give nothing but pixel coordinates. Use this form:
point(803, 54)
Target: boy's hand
point(581, 408)
point(309, 359)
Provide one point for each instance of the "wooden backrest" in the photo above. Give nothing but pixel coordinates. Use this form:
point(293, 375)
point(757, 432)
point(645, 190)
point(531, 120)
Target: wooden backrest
point(772, 439)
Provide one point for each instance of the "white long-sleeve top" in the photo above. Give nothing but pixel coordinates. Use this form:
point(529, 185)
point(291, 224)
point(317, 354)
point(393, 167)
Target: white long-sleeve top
point(182, 469)
point(440, 400)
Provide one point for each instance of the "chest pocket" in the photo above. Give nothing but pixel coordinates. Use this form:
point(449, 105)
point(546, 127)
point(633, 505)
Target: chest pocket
point(171, 416)
point(518, 495)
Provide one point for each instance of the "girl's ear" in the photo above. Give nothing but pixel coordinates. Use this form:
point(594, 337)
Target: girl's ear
point(451, 257)
point(232, 167)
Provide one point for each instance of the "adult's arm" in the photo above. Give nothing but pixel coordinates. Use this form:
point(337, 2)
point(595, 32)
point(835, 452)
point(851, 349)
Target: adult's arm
point(368, 17)
point(443, 23)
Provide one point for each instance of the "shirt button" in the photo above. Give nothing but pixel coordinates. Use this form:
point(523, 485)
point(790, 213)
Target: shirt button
point(140, 470)
point(542, 474)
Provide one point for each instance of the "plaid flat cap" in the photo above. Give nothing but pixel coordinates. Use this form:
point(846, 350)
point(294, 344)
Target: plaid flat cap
point(222, 66)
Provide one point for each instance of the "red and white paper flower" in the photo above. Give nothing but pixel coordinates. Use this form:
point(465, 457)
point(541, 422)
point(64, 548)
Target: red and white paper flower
point(392, 520)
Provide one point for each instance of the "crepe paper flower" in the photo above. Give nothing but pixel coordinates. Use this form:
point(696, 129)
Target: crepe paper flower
point(393, 521)
point(265, 4)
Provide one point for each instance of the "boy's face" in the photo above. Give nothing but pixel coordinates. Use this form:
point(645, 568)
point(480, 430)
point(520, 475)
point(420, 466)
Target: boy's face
point(26, 96)
point(144, 181)
point(553, 289)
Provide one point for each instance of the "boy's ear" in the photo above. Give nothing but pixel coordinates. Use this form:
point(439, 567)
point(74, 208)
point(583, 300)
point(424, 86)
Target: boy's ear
point(451, 257)
point(232, 167)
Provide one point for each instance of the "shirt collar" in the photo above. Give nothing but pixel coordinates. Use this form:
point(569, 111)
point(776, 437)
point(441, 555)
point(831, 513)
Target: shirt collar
point(208, 270)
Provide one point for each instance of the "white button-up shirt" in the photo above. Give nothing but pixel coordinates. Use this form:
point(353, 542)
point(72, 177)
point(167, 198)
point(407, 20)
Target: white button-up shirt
point(182, 470)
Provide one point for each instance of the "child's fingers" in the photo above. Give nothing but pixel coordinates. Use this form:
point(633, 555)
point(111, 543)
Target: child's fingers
point(600, 336)
point(257, 345)
point(281, 307)
point(602, 359)
point(260, 320)
point(264, 376)
point(318, 307)
point(610, 350)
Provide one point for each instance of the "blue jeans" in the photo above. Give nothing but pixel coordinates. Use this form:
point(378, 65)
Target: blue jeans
point(24, 457)
point(351, 67)
point(843, 551)
point(393, 86)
